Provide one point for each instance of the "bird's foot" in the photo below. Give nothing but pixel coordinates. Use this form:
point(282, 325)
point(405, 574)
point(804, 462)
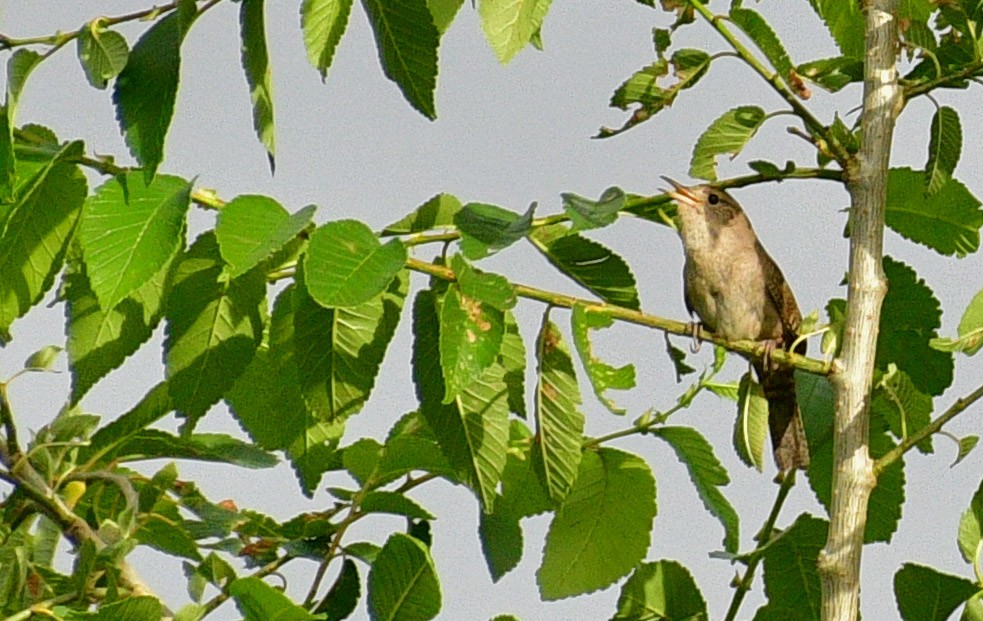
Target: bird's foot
point(694, 332)
point(769, 348)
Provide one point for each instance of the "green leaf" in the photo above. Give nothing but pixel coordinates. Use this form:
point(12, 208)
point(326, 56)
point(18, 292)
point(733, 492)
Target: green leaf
point(411, 446)
point(509, 26)
point(397, 504)
point(213, 328)
point(491, 289)
point(443, 12)
point(587, 214)
point(559, 424)
point(513, 360)
point(944, 145)
point(162, 534)
point(19, 67)
point(522, 495)
point(926, 594)
point(342, 598)
point(470, 340)
point(139, 608)
point(486, 229)
point(258, 601)
point(643, 88)
point(903, 407)
point(602, 375)
point(155, 405)
point(324, 23)
point(792, 583)
point(346, 265)
point(147, 87)
point(708, 475)
point(251, 228)
point(438, 212)
point(751, 426)
point(971, 527)
point(833, 73)
point(102, 53)
point(910, 318)
point(403, 582)
point(338, 351)
point(725, 136)
point(34, 238)
point(473, 430)
point(970, 330)
point(130, 230)
point(602, 530)
point(314, 453)
point(845, 22)
point(215, 447)
point(816, 402)
point(8, 162)
point(590, 264)
point(966, 445)
point(43, 359)
point(755, 26)
point(407, 41)
point(947, 221)
point(256, 64)
point(266, 399)
point(689, 65)
point(99, 341)
point(661, 590)
point(22, 62)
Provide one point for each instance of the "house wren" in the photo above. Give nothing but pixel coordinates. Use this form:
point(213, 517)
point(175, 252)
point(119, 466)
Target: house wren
point(739, 294)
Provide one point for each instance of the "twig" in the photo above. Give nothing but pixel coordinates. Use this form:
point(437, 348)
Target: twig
point(747, 348)
point(743, 584)
point(957, 408)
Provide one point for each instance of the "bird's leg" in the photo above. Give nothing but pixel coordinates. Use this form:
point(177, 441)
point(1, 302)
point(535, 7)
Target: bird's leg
point(769, 349)
point(694, 332)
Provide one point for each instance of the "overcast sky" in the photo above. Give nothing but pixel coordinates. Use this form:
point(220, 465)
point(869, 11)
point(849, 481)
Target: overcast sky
point(509, 136)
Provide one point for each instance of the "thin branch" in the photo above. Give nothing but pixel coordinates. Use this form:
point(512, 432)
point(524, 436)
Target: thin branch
point(950, 79)
point(60, 39)
point(743, 583)
point(957, 408)
point(354, 515)
point(747, 348)
point(813, 124)
point(210, 606)
point(11, 451)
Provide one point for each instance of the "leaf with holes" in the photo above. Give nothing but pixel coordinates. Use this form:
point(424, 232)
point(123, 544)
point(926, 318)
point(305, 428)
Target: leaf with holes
point(559, 424)
point(727, 135)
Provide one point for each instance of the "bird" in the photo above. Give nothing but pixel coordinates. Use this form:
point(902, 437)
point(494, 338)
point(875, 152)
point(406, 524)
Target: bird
point(739, 293)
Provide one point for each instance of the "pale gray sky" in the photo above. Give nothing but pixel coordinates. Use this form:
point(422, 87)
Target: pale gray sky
point(509, 136)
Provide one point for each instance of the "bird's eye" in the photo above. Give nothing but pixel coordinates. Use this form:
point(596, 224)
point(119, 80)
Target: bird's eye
point(713, 199)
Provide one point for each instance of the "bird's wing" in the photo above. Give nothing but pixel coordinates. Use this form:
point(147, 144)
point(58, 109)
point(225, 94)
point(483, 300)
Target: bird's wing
point(783, 298)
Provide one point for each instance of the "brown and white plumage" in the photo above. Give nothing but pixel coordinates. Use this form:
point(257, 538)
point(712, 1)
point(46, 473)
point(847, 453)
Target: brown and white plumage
point(739, 293)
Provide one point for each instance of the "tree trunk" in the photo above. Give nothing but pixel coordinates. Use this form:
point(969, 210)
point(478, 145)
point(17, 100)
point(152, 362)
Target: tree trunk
point(853, 477)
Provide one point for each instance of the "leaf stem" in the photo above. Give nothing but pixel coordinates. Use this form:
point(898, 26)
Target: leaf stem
point(743, 583)
point(957, 408)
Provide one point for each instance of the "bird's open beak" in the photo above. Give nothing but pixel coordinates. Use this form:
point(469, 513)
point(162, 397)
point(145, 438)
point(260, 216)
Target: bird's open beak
point(680, 193)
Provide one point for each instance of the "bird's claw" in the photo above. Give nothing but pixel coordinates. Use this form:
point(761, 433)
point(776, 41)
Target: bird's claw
point(694, 332)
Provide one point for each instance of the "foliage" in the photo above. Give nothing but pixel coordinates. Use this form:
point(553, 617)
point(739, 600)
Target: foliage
point(296, 362)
